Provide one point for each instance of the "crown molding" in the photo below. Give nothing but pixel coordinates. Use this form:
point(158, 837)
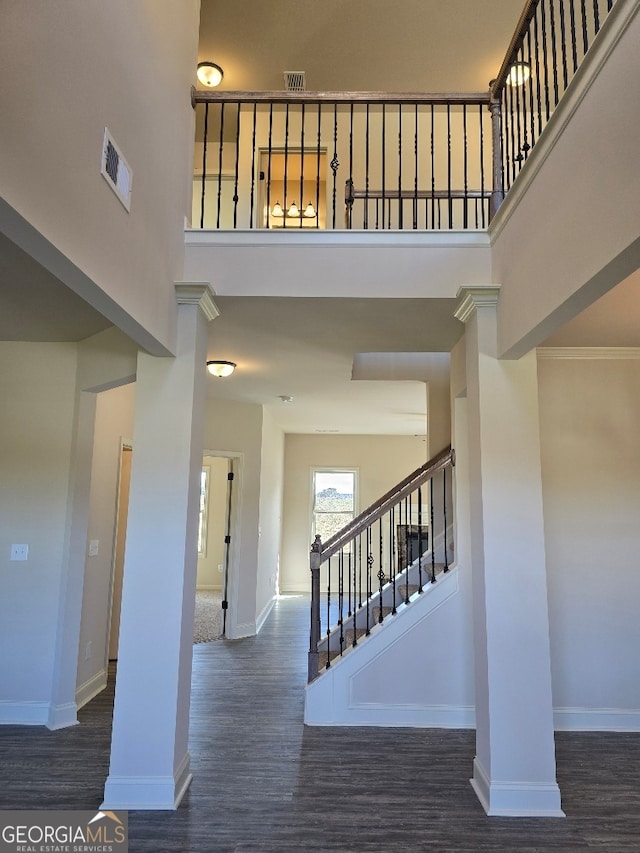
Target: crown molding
point(198, 293)
point(589, 353)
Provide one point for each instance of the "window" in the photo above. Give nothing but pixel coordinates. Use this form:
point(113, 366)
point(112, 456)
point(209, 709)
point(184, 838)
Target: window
point(334, 501)
point(204, 511)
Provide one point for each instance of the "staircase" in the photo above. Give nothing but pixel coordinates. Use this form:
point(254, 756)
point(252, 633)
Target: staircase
point(376, 567)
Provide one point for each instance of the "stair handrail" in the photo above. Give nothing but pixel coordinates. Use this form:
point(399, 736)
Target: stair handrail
point(379, 508)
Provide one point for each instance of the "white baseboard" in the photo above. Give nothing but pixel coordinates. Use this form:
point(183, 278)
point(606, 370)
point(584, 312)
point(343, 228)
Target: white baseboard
point(208, 588)
point(515, 799)
point(87, 691)
point(264, 614)
point(62, 716)
point(24, 713)
point(148, 793)
point(596, 720)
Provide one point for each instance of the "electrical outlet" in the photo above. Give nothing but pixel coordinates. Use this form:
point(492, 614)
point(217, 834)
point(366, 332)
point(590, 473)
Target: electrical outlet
point(94, 547)
point(19, 552)
point(220, 568)
point(88, 650)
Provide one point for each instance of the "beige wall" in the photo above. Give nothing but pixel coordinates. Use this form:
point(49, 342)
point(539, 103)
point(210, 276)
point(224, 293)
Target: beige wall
point(381, 461)
point(589, 427)
point(37, 386)
point(67, 74)
point(271, 488)
point(114, 422)
point(209, 576)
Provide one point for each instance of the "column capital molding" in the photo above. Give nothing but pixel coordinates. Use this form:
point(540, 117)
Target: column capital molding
point(474, 297)
point(199, 293)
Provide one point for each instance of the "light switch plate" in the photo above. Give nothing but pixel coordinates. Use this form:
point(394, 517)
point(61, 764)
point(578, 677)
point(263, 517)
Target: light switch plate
point(94, 547)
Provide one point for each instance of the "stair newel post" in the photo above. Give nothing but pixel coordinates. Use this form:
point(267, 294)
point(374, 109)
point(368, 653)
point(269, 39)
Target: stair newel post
point(497, 196)
point(314, 637)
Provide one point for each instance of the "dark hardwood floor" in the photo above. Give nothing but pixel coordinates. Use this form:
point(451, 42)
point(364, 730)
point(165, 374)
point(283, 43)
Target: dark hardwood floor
point(265, 783)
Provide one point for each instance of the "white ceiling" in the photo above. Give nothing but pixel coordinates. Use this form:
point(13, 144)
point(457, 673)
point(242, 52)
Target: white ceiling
point(305, 347)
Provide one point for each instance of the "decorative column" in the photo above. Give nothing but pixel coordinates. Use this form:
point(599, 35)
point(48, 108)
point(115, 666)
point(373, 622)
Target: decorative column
point(149, 756)
point(514, 768)
point(497, 195)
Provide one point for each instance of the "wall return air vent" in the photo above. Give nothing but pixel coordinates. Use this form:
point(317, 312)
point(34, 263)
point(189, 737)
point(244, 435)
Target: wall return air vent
point(294, 81)
point(115, 170)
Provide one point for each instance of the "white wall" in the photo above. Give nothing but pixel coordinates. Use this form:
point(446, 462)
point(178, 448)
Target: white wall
point(37, 386)
point(114, 421)
point(271, 490)
point(129, 67)
point(590, 422)
point(382, 462)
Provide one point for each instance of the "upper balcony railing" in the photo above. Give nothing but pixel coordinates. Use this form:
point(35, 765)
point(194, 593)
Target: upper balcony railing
point(304, 160)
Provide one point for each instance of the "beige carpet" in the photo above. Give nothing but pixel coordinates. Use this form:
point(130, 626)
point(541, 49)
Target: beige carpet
point(208, 620)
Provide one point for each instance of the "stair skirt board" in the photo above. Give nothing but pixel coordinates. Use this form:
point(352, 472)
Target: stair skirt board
point(329, 700)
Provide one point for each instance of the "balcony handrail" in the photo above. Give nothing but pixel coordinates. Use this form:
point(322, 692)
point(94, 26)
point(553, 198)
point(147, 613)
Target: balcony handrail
point(514, 46)
point(377, 509)
point(283, 97)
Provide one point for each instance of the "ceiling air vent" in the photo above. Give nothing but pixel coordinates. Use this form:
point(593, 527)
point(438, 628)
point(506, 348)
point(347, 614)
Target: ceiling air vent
point(115, 170)
point(294, 81)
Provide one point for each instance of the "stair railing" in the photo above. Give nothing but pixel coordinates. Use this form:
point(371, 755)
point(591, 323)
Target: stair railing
point(380, 560)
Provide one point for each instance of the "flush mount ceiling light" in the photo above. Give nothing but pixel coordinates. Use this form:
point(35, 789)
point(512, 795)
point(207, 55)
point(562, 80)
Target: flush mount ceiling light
point(209, 74)
point(519, 73)
point(221, 368)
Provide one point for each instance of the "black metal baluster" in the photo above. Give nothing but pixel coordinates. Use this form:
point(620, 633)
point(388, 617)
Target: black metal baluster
point(574, 38)
point(482, 207)
point(285, 203)
point(444, 515)
point(596, 17)
point(365, 223)
point(431, 534)
point(384, 140)
point(381, 574)
point(420, 546)
point(392, 556)
point(554, 54)
point(253, 164)
point(433, 171)
point(335, 162)
point(400, 211)
point(525, 147)
point(235, 186)
point(537, 74)
point(449, 197)
point(302, 204)
point(545, 60)
point(329, 612)
point(407, 521)
point(369, 585)
point(465, 214)
point(341, 596)
point(609, 5)
point(415, 179)
point(318, 165)
point(349, 610)
point(350, 159)
point(563, 43)
point(530, 85)
point(508, 135)
point(220, 162)
point(269, 165)
point(359, 571)
point(585, 34)
point(204, 163)
point(518, 155)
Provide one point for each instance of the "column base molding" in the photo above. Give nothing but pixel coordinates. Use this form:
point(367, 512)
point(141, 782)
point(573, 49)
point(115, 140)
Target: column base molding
point(515, 799)
point(148, 793)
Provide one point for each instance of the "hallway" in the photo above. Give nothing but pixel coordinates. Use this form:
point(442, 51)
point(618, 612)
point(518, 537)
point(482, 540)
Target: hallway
point(265, 783)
